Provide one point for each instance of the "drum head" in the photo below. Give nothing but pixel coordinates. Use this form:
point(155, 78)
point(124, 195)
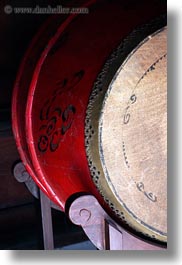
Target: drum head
point(128, 154)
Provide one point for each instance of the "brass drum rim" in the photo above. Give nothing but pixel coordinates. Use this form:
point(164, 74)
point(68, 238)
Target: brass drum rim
point(92, 136)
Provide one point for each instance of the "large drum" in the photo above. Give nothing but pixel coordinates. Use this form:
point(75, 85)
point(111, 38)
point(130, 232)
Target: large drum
point(89, 110)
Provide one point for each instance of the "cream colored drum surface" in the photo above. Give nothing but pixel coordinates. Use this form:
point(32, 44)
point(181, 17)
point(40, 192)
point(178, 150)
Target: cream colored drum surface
point(129, 150)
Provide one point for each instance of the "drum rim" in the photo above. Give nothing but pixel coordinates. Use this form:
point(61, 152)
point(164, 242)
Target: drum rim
point(29, 107)
point(15, 101)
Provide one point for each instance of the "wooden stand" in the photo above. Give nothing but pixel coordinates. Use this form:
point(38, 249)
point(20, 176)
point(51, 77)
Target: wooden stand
point(85, 211)
point(104, 233)
point(46, 222)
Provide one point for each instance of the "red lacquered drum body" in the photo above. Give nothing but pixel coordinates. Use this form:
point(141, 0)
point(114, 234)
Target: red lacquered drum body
point(55, 85)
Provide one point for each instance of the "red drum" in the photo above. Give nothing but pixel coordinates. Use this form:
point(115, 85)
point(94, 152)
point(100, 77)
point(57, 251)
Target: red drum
point(58, 99)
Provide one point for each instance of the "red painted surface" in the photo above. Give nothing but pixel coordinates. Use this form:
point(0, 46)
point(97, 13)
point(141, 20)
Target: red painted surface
point(57, 76)
point(21, 88)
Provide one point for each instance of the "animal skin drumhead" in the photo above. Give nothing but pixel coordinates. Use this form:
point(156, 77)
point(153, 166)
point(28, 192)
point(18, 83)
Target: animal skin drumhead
point(132, 139)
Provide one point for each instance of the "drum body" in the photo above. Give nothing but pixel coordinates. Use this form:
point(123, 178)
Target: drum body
point(62, 105)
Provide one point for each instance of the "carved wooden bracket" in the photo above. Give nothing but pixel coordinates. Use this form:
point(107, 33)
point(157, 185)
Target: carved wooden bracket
point(86, 212)
point(21, 175)
point(103, 232)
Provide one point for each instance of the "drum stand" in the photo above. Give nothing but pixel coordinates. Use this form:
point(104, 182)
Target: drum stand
point(85, 211)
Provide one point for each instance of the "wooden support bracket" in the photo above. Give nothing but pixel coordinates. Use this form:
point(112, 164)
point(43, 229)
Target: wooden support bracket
point(103, 232)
